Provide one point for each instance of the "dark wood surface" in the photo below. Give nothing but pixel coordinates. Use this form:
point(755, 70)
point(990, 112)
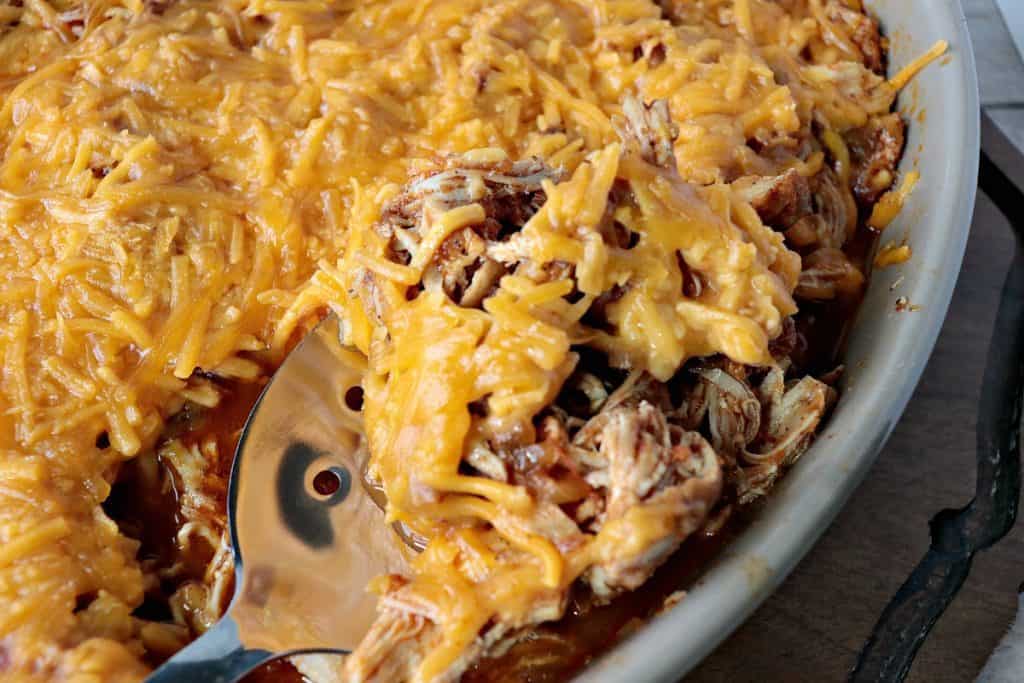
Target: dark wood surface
point(814, 626)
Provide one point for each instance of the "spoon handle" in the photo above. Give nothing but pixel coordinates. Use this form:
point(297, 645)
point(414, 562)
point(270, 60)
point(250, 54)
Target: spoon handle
point(217, 657)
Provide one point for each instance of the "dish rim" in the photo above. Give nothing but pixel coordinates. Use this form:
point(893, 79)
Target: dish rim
point(754, 564)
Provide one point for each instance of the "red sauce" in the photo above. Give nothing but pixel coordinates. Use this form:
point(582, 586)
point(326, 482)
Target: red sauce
point(148, 511)
point(277, 671)
point(555, 652)
point(825, 326)
point(144, 499)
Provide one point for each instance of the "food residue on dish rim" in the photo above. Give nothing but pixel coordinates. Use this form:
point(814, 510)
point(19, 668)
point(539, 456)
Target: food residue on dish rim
point(891, 203)
point(903, 305)
point(893, 254)
point(672, 600)
point(758, 572)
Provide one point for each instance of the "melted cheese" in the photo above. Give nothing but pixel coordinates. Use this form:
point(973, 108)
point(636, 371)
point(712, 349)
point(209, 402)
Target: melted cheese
point(187, 185)
point(891, 203)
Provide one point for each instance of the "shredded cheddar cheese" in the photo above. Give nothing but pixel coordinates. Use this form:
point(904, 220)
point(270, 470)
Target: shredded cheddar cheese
point(185, 187)
point(892, 255)
point(891, 203)
point(907, 73)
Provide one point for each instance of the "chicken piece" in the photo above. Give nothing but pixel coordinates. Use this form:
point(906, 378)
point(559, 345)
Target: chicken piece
point(409, 627)
point(192, 471)
point(694, 407)
point(198, 604)
point(786, 343)
point(862, 31)
point(860, 89)
point(734, 414)
point(509, 192)
point(834, 217)
point(828, 273)
point(649, 130)
point(638, 387)
point(583, 394)
point(481, 457)
point(790, 420)
point(462, 270)
point(691, 411)
point(754, 482)
point(550, 469)
point(404, 632)
point(780, 201)
point(875, 151)
point(812, 212)
point(763, 431)
point(660, 484)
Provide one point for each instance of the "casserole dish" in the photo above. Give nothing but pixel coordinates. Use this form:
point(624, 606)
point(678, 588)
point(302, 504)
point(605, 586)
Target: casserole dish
point(499, 304)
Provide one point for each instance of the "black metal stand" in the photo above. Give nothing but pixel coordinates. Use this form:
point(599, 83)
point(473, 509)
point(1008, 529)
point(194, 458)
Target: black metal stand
point(956, 535)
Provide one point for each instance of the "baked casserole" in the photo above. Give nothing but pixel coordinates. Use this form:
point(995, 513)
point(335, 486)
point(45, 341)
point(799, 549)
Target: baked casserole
point(595, 257)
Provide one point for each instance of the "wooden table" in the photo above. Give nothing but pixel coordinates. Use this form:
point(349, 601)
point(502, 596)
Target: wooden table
point(817, 622)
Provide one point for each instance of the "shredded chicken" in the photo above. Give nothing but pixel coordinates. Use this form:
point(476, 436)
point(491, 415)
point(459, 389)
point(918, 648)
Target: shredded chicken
point(764, 429)
point(618, 455)
point(734, 413)
point(791, 416)
point(650, 129)
point(862, 31)
point(828, 273)
point(652, 470)
point(819, 216)
point(636, 459)
point(875, 151)
point(197, 602)
point(780, 201)
point(404, 632)
point(509, 192)
point(813, 212)
point(835, 215)
point(628, 466)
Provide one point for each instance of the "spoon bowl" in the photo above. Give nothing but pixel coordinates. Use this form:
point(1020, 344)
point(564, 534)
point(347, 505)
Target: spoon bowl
point(306, 533)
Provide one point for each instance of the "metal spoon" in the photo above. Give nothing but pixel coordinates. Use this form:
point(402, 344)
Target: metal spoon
point(306, 534)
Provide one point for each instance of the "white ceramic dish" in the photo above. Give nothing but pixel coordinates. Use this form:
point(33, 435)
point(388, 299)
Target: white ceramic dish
point(885, 357)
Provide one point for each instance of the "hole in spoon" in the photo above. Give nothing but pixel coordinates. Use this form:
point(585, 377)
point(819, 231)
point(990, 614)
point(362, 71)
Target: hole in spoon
point(354, 398)
point(328, 485)
point(326, 482)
